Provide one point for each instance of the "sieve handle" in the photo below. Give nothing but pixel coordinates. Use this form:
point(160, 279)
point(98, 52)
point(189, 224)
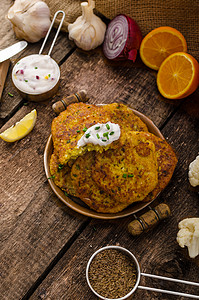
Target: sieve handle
point(49, 30)
point(167, 291)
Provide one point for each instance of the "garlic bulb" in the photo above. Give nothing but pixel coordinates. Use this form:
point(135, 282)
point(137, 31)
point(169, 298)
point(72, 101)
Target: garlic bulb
point(88, 30)
point(30, 19)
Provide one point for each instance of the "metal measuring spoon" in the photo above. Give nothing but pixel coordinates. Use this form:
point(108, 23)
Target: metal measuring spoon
point(139, 274)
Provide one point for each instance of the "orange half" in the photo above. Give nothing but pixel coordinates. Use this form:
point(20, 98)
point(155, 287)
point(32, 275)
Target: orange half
point(178, 76)
point(159, 44)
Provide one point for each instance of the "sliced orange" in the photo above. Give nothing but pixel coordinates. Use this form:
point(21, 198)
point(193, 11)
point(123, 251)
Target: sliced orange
point(159, 44)
point(178, 76)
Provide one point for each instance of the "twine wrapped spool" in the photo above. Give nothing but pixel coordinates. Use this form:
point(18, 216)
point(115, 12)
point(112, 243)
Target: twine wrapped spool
point(180, 14)
point(149, 219)
point(61, 105)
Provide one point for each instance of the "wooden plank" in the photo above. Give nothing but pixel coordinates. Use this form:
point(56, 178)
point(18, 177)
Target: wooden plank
point(9, 105)
point(34, 224)
point(106, 82)
point(157, 250)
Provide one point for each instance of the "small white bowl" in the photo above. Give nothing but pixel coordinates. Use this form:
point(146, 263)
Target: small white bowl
point(50, 90)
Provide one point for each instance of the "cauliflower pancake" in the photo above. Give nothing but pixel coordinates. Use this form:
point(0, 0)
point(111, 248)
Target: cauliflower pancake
point(71, 124)
point(78, 181)
point(61, 175)
point(136, 167)
point(88, 191)
point(130, 172)
point(167, 161)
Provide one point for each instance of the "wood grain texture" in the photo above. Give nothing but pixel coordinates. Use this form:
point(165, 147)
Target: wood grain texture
point(157, 250)
point(35, 226)
point(45, 246)
point(62, 48)
point(107, 82)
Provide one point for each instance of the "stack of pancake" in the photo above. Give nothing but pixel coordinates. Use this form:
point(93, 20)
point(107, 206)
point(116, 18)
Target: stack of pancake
point(109, 178)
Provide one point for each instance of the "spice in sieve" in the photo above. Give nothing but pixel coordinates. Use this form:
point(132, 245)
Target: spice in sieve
point(112, 274)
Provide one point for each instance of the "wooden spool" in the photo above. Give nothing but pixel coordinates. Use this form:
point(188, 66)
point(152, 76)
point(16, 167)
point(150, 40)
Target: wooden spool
point(61, 105)
point(149, 219)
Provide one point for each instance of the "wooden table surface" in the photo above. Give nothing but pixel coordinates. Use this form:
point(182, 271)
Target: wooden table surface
point(44, 245)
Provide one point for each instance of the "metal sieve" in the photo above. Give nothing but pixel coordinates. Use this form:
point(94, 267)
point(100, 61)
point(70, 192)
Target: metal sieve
point(139, 274)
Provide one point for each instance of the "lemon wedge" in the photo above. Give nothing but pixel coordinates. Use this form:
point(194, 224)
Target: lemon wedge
point(21, 128)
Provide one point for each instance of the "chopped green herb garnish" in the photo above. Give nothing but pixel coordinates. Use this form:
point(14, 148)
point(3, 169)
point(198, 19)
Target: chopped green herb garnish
point(98, 135)
point(25, 103)
point(77, 167)
point(94, 228)
point(78, 131)
point(97, 127)
point(130, 175)
point(104, 140)
point(49, 75)
point(85, 129)
point(66, 194)
point(36, 67)
point(108, 126)
point(112, 132)
point(60, 166)
point(75, 175)
point(11, 95)
point(51, 177)
point(26, 80)
point(68, 141)
point(124, 175)
point(88, 135)
point(105, 134)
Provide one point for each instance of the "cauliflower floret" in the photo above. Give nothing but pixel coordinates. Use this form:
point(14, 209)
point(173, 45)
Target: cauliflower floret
point(194, 172)
point(188, 235)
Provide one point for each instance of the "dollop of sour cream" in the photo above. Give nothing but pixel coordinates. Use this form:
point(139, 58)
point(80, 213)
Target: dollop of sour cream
point(35, 74)
point(100, 134)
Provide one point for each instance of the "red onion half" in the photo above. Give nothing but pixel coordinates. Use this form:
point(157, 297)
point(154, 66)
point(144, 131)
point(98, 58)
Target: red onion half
point(123, 38)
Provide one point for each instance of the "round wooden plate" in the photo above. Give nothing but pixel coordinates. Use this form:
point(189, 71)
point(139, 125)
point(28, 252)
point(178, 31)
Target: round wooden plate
point(78, 205)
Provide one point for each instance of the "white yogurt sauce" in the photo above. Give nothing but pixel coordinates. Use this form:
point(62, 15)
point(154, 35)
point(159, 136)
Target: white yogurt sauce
point(100, 134)
point(35, 74)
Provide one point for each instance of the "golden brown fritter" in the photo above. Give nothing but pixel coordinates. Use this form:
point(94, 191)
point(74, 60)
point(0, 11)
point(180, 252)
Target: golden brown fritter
point(61, 175)
point(130, 172)
point(134, 168)
point(167, 161)
point(88, 191)
point(69, 127)
point(125, 117)
point(83, 186)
